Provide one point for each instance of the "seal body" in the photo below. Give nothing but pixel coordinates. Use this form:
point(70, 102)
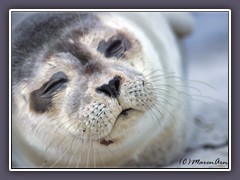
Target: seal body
point(98, 90)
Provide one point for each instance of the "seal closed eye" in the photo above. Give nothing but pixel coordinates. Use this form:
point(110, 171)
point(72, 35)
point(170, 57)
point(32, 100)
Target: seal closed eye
point(88, 88)
point(114, 47)
point(41, 99)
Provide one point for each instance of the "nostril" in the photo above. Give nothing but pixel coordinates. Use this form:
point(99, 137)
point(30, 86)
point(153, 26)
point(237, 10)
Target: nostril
point(106, 90)
point(115, 83)
point(112, 88)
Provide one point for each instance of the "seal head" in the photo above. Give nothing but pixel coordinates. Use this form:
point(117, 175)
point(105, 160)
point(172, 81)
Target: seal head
point(84, 93)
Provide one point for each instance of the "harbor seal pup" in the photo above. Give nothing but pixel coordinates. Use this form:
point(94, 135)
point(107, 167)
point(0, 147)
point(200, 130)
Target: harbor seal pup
point(98, 90)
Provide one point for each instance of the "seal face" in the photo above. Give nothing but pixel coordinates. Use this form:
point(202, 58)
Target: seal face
point(86, 92)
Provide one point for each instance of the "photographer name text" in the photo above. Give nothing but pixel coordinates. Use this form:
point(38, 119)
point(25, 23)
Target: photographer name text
point(190, 161)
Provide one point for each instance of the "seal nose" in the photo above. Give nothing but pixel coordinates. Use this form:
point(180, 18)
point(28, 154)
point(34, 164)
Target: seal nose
point(112, 88)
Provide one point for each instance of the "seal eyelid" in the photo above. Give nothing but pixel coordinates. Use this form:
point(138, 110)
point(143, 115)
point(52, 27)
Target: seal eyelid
point(113, 47)
point(55, 82)
point(53, 85)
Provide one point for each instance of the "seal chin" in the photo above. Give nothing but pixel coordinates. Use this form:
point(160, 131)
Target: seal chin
point(125, 121)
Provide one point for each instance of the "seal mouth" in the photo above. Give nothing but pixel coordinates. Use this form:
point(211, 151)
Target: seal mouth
point(124, 117)
point(125, 112)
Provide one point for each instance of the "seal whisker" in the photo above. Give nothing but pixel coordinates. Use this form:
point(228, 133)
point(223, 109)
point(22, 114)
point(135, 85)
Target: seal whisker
point(88, 153)
point(94, 155)
point(59, 158)
point(155, 115)
point(73, 154)
point(169, 75)
point(81, 152)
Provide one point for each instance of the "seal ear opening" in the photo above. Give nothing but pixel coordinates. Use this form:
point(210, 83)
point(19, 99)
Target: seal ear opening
point(182, 23)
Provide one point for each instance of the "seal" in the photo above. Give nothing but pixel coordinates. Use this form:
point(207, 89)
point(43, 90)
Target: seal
point(98, 89)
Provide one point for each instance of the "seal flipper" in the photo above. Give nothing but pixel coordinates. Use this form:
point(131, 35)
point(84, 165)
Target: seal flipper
point(182, 23)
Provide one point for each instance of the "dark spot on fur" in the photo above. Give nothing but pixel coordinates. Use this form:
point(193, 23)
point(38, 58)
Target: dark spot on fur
point(41, 99)
point(62, 45)
point(38, 104)
point(92, 67)
point(45, 30)
point(106, 142)
point(114, 47)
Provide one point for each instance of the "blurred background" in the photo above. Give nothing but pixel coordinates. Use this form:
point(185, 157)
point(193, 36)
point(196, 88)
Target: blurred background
point(207, 55)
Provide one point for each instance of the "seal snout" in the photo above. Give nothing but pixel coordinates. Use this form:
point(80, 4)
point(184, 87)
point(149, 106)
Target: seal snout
point(112, 88)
